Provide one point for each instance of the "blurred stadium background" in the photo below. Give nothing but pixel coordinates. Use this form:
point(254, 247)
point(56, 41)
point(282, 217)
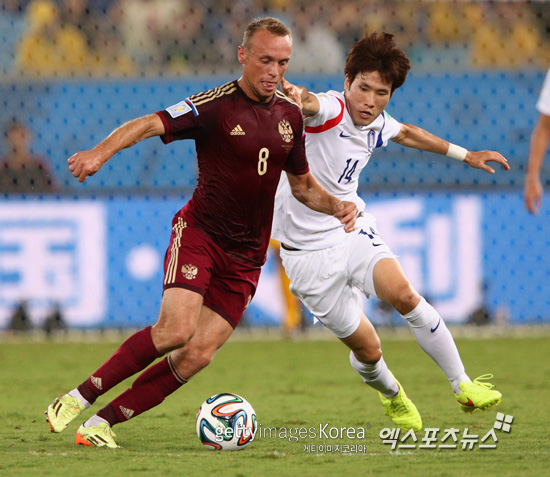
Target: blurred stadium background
point(73, 70)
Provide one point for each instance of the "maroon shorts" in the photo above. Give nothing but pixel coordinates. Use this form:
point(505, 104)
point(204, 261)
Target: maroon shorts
point(193, 261)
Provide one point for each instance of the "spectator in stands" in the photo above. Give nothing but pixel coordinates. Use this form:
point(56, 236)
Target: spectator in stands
point(54, 322)
point(447, 29)
point(315, 47)
point(538, 150)
point(49, 48)
point(347, 19)
point(20, 320)
point(22, 172)
point(109, 43)
point(12, 27)
point(144, 24)
point(225, 24)
point(183, 39)
point(507, 36)
point(80, 15)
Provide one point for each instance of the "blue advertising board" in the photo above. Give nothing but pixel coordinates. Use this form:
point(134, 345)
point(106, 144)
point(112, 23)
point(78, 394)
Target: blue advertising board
point(102, 259)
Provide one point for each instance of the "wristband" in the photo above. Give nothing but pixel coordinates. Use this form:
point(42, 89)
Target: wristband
point(457, 152)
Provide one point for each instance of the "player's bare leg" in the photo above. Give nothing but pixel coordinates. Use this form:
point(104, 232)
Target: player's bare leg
point(163, 378)
point(432, 334)
point(178, 318)
point(366, 358)
point(427, 326)
point(179, 314)
point(211, 333)
point(135, 354)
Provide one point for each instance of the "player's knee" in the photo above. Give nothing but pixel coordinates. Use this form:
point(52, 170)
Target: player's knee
point(369, 355)
point(180, 337)
point(168, 339)
point(404, 298)
point(204, 359)
point(199, 357)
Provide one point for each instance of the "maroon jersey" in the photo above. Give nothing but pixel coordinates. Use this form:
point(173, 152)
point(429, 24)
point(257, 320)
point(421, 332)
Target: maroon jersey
point(242, 148)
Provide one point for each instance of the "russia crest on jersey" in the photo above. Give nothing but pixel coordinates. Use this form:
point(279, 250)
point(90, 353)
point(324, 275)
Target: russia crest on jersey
point(285, 130)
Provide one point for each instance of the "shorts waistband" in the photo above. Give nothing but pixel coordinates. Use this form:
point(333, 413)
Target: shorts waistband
point(294, 249)
point(289, 248)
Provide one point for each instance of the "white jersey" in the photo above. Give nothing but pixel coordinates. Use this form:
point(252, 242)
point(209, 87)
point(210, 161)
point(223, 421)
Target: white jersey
point(337, 152)
point(543, 104)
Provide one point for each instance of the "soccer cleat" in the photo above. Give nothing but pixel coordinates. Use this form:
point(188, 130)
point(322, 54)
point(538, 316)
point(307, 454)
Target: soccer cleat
point(99, 436)
point(62, 411)
point(478, 395)
point(402, 411)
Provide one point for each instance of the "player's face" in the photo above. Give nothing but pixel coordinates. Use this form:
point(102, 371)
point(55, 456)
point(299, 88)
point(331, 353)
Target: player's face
point(19, 139)
point(366, 97)
point(264, 64)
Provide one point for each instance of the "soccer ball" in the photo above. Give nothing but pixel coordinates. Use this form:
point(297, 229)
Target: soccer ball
point(226, 422)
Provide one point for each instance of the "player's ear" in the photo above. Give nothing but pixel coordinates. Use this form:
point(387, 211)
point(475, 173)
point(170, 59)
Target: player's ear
point(347, 83)
point(241, 55)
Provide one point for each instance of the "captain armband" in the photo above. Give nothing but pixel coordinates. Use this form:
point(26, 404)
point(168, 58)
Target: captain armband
point(457, 152)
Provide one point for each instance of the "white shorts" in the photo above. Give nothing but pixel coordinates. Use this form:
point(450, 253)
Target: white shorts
point(329, 281)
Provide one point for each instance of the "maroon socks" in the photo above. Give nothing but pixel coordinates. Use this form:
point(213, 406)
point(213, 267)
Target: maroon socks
point(149, 390)
point(135, 354)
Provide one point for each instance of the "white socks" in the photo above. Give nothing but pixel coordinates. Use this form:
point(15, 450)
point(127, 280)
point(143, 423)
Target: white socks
point(76, 394)
point(94, 421)
point(436, 340)
point(376, 376)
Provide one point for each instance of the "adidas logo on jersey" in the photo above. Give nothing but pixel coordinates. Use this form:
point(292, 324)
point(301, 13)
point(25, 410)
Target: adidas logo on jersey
point(97, 383)
point(237, 131)
point(128, 413)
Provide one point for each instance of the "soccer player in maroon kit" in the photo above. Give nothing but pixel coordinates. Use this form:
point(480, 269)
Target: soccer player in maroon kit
point(246, 133)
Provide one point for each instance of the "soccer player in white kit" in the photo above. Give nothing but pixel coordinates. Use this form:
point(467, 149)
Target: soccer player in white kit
point(537, 150)
point(329, 271)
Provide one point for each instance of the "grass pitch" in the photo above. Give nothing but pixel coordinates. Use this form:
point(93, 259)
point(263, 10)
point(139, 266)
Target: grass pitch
point(299, 384)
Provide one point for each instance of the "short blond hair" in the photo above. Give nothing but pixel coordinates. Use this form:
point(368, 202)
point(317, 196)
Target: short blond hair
point(272, 25)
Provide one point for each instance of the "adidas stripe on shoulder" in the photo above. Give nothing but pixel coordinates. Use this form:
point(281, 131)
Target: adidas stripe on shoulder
point(201, 98)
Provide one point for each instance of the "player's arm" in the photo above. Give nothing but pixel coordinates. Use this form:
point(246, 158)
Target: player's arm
point(418, 138)
point(540, 140)
point(310, 193)
point(300, 95)
point(87, 163)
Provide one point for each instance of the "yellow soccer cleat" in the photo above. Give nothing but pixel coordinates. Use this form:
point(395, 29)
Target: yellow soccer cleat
point(478, 394)
point(99, 436)
point(62, 411)
point(402, 411)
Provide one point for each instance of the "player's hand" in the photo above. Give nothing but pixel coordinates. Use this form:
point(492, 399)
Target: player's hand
point(292, 91)
point(346, 212)
point(532, 195)
point(479, 160)
point(84, 164)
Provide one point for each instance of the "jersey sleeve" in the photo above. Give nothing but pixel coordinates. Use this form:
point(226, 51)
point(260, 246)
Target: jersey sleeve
point(185, 120)
point(390, 129)
point(330, 109)
point(296, 162)
point(543, 103)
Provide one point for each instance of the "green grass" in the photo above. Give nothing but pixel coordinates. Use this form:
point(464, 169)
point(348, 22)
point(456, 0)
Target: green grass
point(290, 384)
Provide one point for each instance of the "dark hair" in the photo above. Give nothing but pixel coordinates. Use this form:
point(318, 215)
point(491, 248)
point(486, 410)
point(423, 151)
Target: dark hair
point(377, 52)
point(272, 25)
